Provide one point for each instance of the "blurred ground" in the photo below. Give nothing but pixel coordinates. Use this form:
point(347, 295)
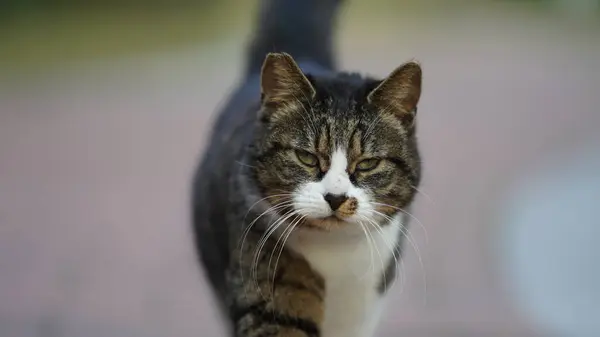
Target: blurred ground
point(97, 148)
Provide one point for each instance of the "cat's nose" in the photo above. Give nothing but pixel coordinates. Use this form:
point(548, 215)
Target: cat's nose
point(335, 200)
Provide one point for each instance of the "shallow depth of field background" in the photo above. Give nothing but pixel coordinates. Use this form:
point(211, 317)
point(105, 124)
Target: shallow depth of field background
point(105, 108)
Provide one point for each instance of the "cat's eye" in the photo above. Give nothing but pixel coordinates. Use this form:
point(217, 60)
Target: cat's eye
point(307, 158)
point(367, 164)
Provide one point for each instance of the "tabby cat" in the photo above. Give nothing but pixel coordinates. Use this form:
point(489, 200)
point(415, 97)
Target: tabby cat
point(299, 201)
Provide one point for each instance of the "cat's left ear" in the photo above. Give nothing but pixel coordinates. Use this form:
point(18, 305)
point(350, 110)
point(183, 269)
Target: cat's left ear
point(400, 92)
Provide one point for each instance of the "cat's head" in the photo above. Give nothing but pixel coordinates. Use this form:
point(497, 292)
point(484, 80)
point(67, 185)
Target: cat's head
point(337, 151)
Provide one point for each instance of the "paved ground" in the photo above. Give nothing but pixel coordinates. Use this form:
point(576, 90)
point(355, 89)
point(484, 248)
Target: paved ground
point(96, 160)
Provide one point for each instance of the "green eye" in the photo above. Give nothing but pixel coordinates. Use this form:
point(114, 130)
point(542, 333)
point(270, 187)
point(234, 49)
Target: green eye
point(367, 164)
point(307, 158)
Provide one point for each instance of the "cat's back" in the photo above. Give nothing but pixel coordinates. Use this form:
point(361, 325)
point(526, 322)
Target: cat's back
point(221, 163)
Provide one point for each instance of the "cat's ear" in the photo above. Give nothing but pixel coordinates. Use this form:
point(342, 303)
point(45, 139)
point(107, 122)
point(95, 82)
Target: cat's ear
point(282, 81)
point(399, 93)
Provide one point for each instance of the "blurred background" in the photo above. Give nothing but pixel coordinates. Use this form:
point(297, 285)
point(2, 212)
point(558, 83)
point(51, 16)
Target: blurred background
point(105, 107)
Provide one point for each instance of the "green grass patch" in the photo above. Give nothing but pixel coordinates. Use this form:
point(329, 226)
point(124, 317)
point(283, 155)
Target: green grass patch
point(56, 36)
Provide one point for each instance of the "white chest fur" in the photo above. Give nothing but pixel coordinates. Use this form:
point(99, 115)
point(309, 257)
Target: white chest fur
point(352, 266)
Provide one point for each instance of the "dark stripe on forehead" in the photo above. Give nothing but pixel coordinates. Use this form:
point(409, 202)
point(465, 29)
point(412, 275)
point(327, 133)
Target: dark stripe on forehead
point(330, 137)
point(355, 144)
point(367, 133)
point(340, 133)
point(317, 139)
point(323, 140)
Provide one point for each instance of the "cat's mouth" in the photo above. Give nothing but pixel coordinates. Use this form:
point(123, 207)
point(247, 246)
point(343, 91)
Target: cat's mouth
point(340, 213)
point(325, 223)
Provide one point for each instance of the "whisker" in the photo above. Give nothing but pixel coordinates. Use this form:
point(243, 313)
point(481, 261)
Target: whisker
point(370, 244)
point(423, 193)
point(245, 165)
point(405, 231)
point(374, 244)
point(269, 231)
point(407, 213)
point(285, 235)
point(388, 245)
point(263, 199)
point(249, 227)
point(272, 208)
point(256, 258)
point(263, 241)
point(372, 126)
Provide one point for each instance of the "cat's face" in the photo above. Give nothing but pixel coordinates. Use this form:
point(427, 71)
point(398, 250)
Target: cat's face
point(338, 151)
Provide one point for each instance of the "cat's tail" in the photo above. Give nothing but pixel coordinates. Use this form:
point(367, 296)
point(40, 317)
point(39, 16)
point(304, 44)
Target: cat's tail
point(301, 28)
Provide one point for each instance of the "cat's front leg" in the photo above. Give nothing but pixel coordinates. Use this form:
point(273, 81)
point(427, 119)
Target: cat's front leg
point(275, 297)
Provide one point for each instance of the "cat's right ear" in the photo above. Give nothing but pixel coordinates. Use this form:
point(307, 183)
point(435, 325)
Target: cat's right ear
point(282, 82)
point(399, 93)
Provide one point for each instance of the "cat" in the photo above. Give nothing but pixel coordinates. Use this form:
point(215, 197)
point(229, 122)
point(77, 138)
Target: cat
point(299, 202)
